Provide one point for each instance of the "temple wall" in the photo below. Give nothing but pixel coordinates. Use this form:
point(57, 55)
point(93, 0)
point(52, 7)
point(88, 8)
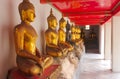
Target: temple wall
point(9, 18)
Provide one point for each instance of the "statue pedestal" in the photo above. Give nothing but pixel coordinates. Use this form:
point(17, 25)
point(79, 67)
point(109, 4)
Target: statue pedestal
point(50, 72)
point(70, 63)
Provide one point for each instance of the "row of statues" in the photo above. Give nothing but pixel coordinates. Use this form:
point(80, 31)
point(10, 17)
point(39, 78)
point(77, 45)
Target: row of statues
point(29, 60)
point(56, 44)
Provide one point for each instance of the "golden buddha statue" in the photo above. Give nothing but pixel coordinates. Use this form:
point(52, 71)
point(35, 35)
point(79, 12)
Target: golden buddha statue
point(62, 36)
point(78, 31)
point(29, 60)
point(73, 33)
point(51, 37)
point(78, 37)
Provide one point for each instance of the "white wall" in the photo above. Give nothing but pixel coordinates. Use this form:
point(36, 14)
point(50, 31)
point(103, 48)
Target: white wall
point(9, 18)
point(101, 40)
point(107, 49)
point(115, 44)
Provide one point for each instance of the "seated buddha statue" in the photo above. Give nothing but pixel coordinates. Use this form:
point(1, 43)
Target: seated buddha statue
point(62, 36)
point(68, 32)
point(78, 37)
point(73, 34)
point(51, 37)
point(28, 59)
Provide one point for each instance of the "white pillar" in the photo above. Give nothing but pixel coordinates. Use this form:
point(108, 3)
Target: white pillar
point(101, 40)
point(107, 47)
point(115, 44)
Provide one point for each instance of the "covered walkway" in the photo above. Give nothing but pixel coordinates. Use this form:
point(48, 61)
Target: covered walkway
point(93, 66)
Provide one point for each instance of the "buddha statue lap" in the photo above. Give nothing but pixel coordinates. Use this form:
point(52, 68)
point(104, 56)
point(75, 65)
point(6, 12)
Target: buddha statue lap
point(28, 59)
point(51, 37)
point(62, 36)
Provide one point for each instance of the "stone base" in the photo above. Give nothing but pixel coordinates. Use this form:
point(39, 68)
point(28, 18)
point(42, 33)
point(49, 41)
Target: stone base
point(70, 63)
point(50, 72)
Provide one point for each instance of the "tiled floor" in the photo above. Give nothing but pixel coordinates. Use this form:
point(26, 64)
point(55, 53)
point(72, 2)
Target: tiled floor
point(92, 66)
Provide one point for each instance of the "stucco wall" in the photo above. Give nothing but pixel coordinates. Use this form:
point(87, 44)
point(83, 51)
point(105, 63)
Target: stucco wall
point(101, 40)
point(107, 36)
point(115, 43)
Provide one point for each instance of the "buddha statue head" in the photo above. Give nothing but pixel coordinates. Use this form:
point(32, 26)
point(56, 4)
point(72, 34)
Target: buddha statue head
point(52, 21)
point(73, 29)
point(26, 11)
point(67, 26)
point(62, 23)
point(78, 30)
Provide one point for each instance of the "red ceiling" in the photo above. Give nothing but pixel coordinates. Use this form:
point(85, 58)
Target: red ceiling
point(84, 12)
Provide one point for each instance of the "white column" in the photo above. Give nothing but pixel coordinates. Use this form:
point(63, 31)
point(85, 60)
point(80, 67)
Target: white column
point(101, 40)
point(107, 47)
point(115, 44)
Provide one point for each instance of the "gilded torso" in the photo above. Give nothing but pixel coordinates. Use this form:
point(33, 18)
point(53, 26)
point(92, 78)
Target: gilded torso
point(51, 37)
point(62, 35)
point(26, 38)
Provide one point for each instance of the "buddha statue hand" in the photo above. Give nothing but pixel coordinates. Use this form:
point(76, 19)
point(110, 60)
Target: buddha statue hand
point(40, 63)
point(45, 61)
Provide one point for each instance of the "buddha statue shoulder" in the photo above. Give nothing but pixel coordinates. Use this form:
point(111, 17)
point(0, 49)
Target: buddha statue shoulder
point(51, 37)
point(62, 36)
point(29, 60)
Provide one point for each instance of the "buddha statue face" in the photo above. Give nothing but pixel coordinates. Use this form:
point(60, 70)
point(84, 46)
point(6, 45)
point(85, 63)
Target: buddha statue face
point(79, 30)
point(62, 23)
point(28, 15)
point(52, 24)
point(73, 29)
point(52, 21)
point(27, 11)
point(67, 26)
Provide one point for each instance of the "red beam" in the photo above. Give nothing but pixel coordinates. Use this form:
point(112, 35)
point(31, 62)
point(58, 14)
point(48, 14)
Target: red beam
point(52, 1)
point(107, 13)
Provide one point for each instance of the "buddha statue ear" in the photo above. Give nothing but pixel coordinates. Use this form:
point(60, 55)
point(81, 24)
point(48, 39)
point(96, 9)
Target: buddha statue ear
point(23, 15)
point(50, 23)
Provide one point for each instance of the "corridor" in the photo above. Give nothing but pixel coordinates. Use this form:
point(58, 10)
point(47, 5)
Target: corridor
point(92, 66)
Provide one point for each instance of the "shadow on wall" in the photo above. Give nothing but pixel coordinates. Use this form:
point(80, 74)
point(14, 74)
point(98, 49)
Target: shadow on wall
point(7, 54)
point(43, 22)
point(42, 36)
